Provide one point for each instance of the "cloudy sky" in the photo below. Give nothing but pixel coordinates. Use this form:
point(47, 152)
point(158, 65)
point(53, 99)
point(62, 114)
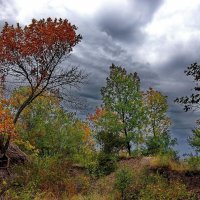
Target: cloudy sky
point(156, 38)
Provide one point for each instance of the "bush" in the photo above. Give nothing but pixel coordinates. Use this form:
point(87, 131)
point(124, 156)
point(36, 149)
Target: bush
point(123, 181)
point(145, 185)
point(193, 163)
point(164, 160)
point(159, 145)
point(50, 175)
point(160, 189)
point(107, 163)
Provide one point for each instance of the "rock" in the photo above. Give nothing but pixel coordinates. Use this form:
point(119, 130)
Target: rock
point(16, 155)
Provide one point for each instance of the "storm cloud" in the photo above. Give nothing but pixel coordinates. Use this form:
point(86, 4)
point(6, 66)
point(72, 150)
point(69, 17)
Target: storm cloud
point(158, 39)
point(125, 23)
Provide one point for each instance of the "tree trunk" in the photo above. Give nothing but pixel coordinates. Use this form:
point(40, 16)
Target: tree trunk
point(128, 146)
point(22, 107)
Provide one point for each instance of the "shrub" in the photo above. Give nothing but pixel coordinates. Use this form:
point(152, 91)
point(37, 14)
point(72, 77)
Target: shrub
point(145, 185)
point(193, 163)
point(106, 163)
point(123, 181)
point(160, 189)
point(163, 160)
point(49, 175)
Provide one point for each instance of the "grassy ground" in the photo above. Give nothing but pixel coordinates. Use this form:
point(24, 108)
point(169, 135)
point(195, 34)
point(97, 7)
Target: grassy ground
point(147, 178)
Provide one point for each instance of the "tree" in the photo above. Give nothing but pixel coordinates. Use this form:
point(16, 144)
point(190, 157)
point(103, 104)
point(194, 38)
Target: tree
point(122, 95)
point(192, 102)
point(7, 128)
point(47, 127)
point(106, 128)
point(32, 55)
point(123, 180)
point(156, 105)
point(157, 122)
point(194, 140)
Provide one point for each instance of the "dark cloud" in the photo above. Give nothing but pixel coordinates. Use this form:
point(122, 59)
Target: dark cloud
point(115, 34)
point(148, 76)
point(174, 83)
point(99, 50)
point(125, 23)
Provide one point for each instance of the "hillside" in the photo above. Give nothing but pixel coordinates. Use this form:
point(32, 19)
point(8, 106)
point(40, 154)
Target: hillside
point(173, 174)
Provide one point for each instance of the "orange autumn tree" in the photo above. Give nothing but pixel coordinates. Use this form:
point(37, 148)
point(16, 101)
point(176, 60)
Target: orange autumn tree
point(7, 128)
point(32, 56)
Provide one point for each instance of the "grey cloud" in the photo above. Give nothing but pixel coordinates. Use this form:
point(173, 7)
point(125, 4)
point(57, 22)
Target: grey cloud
point(96, 53)
point(174, 83)
point(8, 11)
point(105, 38)
point(148, 7)
point(125, 23)
point(148, 76)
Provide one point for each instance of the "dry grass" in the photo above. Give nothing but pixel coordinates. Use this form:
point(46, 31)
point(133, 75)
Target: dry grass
point(79, 186)
point(167, 162)
point(94, 196)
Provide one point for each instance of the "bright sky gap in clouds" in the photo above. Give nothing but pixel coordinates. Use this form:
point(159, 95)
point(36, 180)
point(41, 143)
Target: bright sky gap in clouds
point(156, 38)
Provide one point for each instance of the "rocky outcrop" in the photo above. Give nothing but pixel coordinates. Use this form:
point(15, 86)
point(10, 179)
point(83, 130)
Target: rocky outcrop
point(13, 156)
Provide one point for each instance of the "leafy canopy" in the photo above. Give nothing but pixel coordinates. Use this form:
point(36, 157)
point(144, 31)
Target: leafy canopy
point(106, 130)
point(48, 128)
point(122, 95)
point(156, 106)
point(7, 128)
point(156, 128)
point(32, 55)
point(192, 102)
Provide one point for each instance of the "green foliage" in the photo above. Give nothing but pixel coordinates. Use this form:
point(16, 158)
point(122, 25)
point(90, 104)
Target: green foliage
point(194, 141)
point(62, 149)
point(50, 130)
point(161, 144)
point(156, 126)
point(123, 180)
point(106, 163)
point(147, 186)
point(106, 130)
point(109, 141)
point(156, 112)
point(159, 189)
point(192, 101)
point(122, 95)
point(47, 175)
point(193, 163)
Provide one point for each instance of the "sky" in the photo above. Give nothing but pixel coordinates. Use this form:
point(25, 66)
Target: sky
point(156, 38)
